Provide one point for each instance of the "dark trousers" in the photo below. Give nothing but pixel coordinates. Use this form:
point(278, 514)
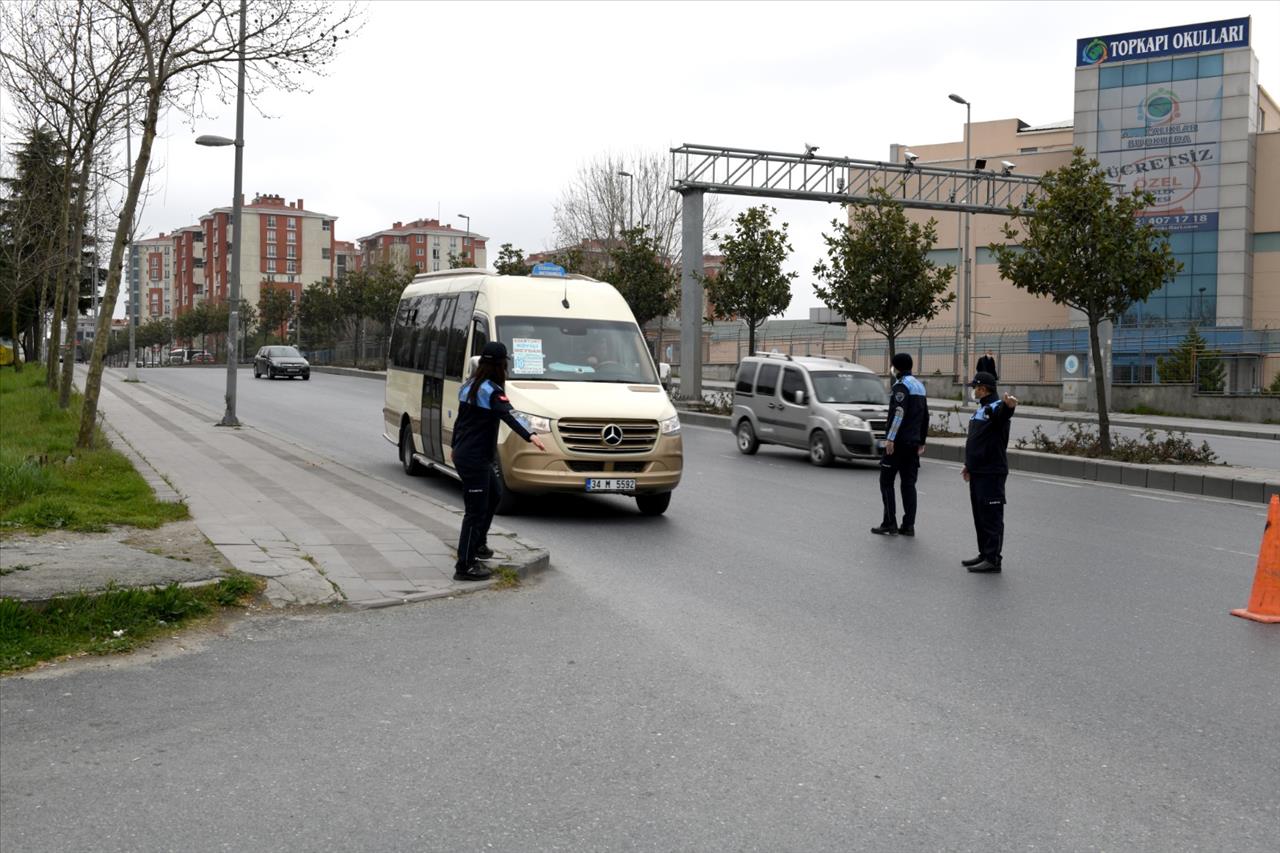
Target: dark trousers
point(986, 496)
point(481, 492)
point(904, 462)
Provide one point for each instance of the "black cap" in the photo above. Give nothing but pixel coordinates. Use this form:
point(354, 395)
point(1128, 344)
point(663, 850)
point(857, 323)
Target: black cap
point(902, 362)
point(493, 352)
point(983, 378)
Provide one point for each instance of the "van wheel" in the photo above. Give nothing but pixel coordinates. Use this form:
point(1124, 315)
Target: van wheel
point(747, 441)
point(411, 466)
point(820, 449)
point(509, 501)
point(653, 504)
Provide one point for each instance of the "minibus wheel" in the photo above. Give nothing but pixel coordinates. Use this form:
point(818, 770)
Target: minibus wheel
point(411, 466)
point(653, 504)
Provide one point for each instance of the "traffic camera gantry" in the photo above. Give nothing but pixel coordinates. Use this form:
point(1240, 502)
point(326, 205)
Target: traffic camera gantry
point(700, 169)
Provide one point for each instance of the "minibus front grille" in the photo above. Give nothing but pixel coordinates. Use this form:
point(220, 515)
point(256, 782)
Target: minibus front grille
point(586, 466)
point(607, 436)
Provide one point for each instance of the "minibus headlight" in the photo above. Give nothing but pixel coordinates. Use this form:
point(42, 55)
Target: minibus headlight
point(533, 423)
point(670, 426)
point(851, 422)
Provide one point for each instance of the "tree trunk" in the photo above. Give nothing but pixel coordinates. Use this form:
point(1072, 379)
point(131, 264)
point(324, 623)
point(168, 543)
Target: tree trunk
point(13, 322)
point(358, 342)
point(55, 328)
point(893, 346)
point(1100, 387)
point(751, 338)
point(70, 313)
point(76, 264)
point(93, 383)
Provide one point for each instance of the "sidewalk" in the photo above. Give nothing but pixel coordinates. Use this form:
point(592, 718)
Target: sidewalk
point(320, 532)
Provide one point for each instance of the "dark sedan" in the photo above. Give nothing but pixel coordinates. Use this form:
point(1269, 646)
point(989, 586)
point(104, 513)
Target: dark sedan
point(280, 361)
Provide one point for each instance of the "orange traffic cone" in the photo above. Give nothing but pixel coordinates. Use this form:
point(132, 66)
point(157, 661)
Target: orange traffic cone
point(1264, 601)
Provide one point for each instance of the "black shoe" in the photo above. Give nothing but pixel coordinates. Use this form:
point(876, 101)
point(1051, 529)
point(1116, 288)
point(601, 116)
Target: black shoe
point(885, 530)
point(484, 552)
point(906, 531)
point(972, 561)
point(472, 573)
point(985, 566)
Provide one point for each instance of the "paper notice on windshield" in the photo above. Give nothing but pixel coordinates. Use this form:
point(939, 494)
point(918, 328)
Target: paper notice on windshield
point(527, 357)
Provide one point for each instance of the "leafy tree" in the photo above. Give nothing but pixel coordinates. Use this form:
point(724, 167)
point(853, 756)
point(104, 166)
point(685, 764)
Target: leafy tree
point(320, 313)
point(751, 284)
point(371, 292)
point(878, 272)
point(638, 272)
point(1193, 361)
point(1083, 245)
point(462, 261)
point(274, 309)
point(511, 261)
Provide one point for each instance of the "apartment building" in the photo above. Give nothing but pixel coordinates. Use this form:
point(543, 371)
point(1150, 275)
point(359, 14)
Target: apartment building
point(423, 245)
point(346, 258)
point(150, 277)
point(188, 268)
point(284, 245)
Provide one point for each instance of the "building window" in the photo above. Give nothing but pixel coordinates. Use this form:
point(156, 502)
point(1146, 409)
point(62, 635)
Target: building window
point(291, 223)
point(324, 253)
point(419, 252)
point(271, 251)
point(325, 224)
point(418, 238)
point(292, 266)
point(291, 251)
point(271, 236)
point(269, 277)
point(291, 279)
point(435, 266)
point(435, 241)
point(435, 254)
point(419, 265)
point(453, 243)
point(271, 222)
point(291, 237)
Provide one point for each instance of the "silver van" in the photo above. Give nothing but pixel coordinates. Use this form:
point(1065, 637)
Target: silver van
point(835, 409)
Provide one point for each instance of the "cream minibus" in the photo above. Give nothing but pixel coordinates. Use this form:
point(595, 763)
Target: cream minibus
point(579, 374)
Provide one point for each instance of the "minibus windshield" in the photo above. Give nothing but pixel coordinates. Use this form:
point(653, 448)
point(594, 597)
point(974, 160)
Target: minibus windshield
point(846, 386)
point(557, 348)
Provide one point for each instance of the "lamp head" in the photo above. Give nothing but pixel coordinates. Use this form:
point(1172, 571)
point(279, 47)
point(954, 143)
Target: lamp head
point(958, 99)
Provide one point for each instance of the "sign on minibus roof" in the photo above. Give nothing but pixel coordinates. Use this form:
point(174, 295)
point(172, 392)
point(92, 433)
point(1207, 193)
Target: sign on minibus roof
point(547, 270)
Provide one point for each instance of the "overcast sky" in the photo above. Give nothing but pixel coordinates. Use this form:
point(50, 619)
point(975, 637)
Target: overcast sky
point(488, 109)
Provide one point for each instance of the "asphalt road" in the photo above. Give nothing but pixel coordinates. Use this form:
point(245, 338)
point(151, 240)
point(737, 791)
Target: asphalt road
point(752, 671)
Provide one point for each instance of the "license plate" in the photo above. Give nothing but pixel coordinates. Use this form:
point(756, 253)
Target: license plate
point(611, 485)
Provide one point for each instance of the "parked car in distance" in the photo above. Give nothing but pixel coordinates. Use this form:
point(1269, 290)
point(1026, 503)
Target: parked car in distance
point(835, 409)
point(177, 356)
point(276, 361)
point(201, 357)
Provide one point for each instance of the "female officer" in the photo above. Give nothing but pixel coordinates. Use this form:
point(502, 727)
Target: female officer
point(481, 404)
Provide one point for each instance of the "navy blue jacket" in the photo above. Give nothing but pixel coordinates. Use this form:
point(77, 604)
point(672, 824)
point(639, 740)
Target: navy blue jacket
point(984, 450)
point(908, 422)
point(475, 433)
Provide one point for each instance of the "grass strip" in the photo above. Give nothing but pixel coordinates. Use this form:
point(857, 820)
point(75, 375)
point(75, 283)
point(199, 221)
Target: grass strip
point(118, 620)
point(48, 484)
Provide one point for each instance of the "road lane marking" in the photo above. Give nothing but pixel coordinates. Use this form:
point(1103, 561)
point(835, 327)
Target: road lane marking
point(1058, 483)
point(1154, 498)
point(1229, 551)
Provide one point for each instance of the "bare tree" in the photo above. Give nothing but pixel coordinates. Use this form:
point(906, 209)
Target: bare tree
point(600, 204)
point(187, 51)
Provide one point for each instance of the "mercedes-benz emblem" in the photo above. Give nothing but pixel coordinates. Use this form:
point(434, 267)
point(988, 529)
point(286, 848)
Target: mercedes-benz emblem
point(611, 435)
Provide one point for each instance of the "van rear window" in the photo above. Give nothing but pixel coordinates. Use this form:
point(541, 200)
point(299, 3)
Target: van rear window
point(746, 377)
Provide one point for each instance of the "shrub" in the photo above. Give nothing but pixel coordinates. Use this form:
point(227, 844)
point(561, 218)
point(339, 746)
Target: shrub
point(1148, 448)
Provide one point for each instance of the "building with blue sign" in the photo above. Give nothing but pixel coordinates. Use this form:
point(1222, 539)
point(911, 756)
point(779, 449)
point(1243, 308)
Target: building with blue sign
point(1176, 112)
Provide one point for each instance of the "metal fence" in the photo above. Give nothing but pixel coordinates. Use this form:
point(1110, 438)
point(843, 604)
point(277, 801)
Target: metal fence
point(1232, 359)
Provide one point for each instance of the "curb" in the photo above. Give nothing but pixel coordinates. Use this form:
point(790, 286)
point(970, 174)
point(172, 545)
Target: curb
point(1191, 481)
point(537, 561)
point(1225, 431)
point(380, 375)
point(164, 492)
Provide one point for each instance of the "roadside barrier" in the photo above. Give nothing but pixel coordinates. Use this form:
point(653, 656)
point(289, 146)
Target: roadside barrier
point(1264, 601)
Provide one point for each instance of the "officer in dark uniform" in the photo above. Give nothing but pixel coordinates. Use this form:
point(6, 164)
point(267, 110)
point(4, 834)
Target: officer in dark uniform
point(908, 427)
point(481, 405)
point(986, 467)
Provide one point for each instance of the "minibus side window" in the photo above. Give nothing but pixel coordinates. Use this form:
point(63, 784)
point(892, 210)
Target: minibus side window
point(746, 377)
point(479, 335)
point(767, 381)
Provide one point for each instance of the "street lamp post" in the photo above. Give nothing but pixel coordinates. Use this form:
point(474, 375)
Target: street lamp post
point(467, 238)
point(965, 227)
point(631, 197)
point(233, 320)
